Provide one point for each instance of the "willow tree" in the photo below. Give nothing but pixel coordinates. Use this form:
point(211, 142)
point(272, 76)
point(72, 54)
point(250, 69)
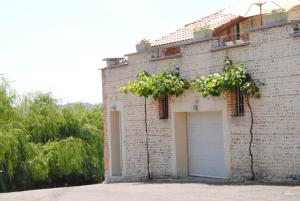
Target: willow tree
point(232, 77)
point(161, 85)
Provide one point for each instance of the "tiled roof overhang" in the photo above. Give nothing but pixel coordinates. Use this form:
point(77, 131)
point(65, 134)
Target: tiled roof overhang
point(216, 21)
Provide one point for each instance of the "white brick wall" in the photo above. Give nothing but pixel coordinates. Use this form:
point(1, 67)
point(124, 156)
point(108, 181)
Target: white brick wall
point(272, 57)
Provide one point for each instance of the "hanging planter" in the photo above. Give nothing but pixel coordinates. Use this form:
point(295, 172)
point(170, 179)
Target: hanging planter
point(171, 51)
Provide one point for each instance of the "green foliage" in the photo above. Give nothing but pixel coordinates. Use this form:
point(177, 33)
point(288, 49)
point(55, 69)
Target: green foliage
point(145, 41)
point(232, 76)
point(43, 144)
point(202, 28)
point(66, 156)
point(210, 85)
point(43, 119)
point(142, 87)
point(8, 157)
point(160, 85)
point(37, 163)
point(7, 112)
point(168, 83)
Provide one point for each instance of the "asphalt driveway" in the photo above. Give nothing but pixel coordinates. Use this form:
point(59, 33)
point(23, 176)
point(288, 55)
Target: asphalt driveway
point(161, 192)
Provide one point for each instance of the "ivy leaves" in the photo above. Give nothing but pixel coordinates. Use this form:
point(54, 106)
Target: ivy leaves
point(232, 76)
point(169, 83)
point(142, 87)
point(210, 85)
point(160, 85)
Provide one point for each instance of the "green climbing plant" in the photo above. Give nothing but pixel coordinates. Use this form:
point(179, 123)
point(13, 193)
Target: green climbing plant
point(233, 76)
point(161, 85)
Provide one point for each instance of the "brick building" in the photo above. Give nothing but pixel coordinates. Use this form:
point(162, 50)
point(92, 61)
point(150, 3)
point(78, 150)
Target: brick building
point(205, 136)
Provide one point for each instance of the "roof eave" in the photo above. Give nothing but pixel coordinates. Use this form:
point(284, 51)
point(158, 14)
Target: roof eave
point(217, 31)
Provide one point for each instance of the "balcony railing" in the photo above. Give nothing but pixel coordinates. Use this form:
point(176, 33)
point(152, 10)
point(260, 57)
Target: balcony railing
point(231, 40)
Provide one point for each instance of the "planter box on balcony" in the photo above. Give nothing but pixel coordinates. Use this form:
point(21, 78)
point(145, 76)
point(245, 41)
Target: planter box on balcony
point(269, 19)
point(142, 47)
point(203, 34)
point(171, 51)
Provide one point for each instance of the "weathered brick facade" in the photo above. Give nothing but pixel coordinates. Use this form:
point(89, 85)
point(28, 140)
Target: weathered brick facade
point(272, 56)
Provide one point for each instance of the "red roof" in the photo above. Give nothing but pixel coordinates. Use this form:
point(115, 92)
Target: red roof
point(186, 33)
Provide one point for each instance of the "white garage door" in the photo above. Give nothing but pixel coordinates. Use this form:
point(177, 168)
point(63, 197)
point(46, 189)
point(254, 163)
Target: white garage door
point(206, 144)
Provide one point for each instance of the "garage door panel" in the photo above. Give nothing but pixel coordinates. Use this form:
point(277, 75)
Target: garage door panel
point(204, 150)
point(203, 139)
point(207, 168)
point(207, 157)
point(206, 144)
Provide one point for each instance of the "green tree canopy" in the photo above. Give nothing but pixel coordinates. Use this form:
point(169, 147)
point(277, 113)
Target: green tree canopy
point(159, 85)
point(44, 144)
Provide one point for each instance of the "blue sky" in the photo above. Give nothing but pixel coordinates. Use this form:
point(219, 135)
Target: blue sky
point(58, 45)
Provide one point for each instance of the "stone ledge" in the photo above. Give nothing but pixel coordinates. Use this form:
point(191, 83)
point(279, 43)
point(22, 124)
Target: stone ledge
point(166, 57)
point(124, 179)
point(119, 65)
point(275, 24)
point(213, 49)
point(295, 34)
point(114, 66)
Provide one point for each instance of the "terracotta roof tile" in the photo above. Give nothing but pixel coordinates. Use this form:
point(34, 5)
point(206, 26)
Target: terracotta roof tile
point(186, 33)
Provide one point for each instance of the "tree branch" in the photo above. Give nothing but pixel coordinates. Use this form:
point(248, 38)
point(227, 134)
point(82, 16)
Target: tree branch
point(147, 142)
point(251, 140)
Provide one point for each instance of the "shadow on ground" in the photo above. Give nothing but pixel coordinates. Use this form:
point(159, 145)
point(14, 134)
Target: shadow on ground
point(217, 182)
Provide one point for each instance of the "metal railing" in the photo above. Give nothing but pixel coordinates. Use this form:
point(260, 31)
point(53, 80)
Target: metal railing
point(232, 39)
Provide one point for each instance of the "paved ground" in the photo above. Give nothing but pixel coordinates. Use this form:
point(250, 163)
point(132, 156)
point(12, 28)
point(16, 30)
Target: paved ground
point(161, 192)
